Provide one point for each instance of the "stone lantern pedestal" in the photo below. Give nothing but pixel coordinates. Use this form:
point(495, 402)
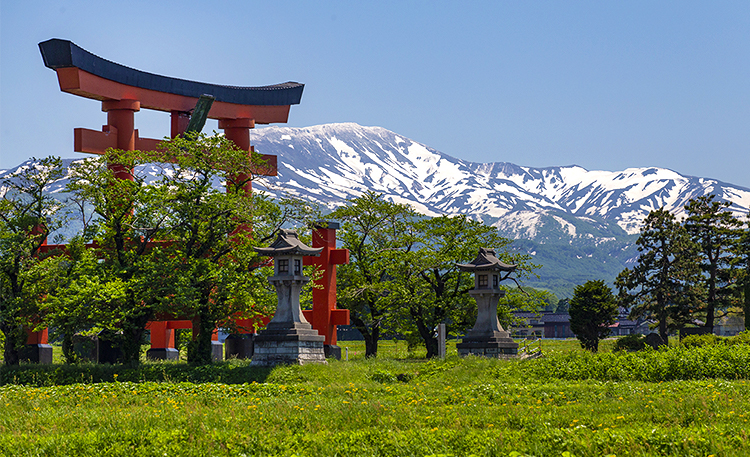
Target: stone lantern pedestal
point(288, 338)
point(487, 338)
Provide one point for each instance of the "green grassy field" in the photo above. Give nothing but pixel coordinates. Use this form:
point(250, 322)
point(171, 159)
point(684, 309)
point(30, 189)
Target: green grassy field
point(398, 405)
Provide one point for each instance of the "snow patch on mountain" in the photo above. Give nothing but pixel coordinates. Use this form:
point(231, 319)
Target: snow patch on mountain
point(333, 162)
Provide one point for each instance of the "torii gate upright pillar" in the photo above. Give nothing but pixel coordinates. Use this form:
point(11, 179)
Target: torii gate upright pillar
point(324, 316)
point(121, 123)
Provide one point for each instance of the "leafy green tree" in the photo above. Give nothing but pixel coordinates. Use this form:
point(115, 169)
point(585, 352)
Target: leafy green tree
point(429, 286)
point(373, 230)
point(118, 285)
point(174, 245)
point(661, 285)
point(209, 258)
point(593, 309)
point(403, 276)
point(27, 217)
point(715, 230)
point(76, 296)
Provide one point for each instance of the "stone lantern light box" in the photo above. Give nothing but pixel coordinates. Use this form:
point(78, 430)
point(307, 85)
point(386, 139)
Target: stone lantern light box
point(487, 337)
point(288, 338)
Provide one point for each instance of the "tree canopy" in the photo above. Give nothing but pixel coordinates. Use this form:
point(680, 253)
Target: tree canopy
point(661, 286)
point(28, 215)
point(402, 276)
point(715, 231)
point(592, 309)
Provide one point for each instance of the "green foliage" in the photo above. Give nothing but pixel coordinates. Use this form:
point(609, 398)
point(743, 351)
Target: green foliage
point(667, 364)
point(28, 215)
point(592, 310)
point(431, 289)
point(453, 407)
point(661, 286)
point(178, 246)
point(715, 230)
point(118, 284)
point(373, 230)
point(694, 272)
point(210, 258)
point(740, 338)
point(403, 277)
point(632, 342)
point(710, 339)
point(741, 264)
point(231, 372)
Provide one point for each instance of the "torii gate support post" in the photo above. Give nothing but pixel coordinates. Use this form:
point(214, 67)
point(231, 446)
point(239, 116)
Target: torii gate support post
point(37, 348)
point(324, 316)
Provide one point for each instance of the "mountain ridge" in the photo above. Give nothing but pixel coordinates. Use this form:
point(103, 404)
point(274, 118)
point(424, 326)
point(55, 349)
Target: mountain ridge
point(428, 178)
point(579, 224)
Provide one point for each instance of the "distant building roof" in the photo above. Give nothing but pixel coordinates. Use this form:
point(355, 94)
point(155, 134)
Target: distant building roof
point(556, 317)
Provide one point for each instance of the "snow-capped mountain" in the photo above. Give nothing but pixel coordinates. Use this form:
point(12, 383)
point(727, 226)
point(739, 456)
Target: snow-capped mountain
point(333, 162)
point(577, 224)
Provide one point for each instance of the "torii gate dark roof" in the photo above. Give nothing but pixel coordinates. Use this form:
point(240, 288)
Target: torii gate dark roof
point(88, 75)
point(59, 53)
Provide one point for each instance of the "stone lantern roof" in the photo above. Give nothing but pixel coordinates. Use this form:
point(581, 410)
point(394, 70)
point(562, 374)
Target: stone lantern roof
point(288, 243)
point(486, 260)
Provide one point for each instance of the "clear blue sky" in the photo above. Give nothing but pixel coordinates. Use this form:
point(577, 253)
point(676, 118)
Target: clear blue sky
point(601, 84)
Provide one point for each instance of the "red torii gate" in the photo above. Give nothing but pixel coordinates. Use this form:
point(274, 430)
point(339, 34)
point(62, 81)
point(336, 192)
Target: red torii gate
point(123, 91)
point(324, 317)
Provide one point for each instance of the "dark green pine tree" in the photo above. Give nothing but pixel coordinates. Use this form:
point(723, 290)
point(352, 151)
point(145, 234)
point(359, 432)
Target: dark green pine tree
point(593, 309)
point(715, 229)
point(661, 286)
point(742, 265)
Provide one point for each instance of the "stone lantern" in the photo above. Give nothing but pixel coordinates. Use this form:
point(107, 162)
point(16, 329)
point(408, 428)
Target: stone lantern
point(288, 337)
point(487, 337)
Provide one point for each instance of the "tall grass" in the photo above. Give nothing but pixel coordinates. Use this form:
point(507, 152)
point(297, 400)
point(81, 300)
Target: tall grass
point(668, 364)
point(678, 401)
point(457, 407)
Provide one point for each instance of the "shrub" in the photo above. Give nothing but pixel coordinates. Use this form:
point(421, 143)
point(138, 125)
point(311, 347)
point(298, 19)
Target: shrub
point(740, 338)
point(720, 361)
point(709, 339)
point(383, 377)
point(231, 372)
point(634, 342)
